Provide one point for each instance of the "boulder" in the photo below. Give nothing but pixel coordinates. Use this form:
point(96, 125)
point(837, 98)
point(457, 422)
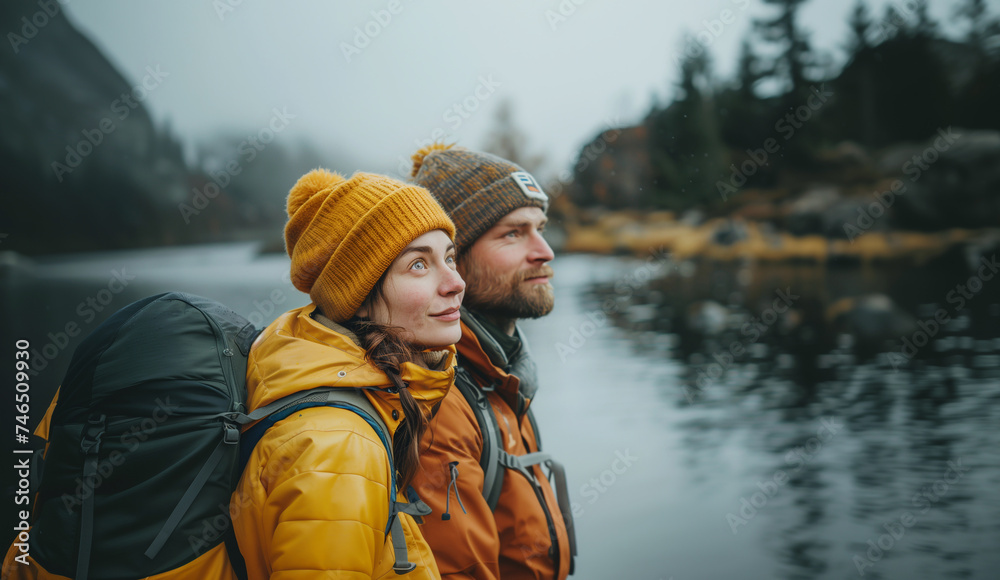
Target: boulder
point(805, 215)
point(952, 180)
point(708, 318)
point(871, 319)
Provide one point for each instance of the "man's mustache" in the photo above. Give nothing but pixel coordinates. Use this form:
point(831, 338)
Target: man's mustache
point(537, 272)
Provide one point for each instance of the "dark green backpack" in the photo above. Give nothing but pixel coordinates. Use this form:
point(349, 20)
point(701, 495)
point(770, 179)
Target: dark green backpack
point(145, 444)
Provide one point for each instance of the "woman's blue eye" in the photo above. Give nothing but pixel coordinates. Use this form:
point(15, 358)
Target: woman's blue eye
point(419, 263)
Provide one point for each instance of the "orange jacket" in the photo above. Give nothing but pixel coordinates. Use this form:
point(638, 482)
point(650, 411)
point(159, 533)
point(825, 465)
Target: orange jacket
point(313, 500)
point(515, 541)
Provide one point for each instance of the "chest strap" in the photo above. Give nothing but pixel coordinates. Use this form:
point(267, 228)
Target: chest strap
point(416, 508)
point(494, 461)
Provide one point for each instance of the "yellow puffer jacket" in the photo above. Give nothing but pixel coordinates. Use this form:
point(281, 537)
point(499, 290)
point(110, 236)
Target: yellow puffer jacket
point(313, 500)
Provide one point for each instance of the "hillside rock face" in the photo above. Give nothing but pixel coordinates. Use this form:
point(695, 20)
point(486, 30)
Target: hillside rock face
point(953, 180)
point(78, 149)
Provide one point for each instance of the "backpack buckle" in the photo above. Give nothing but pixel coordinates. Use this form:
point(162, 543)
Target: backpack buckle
point(403, 568)
point(90, 443)
point(231, 436)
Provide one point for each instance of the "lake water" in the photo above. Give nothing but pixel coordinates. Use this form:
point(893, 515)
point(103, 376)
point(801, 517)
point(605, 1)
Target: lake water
point(715, 421)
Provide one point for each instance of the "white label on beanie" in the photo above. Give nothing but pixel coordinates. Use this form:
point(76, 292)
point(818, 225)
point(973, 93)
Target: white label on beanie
point(529, 186)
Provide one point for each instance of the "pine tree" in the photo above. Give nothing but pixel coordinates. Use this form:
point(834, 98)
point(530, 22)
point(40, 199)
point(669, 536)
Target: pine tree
point(978, 100)
point(981, 26)
point(687, 151)
point(747, 71)
point(796, 54)
point(913, 21)
point(744, 119)
point(860, 23)
point(890, 26)
point(923, 25)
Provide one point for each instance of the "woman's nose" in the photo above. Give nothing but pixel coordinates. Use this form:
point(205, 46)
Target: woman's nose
point(452, 283)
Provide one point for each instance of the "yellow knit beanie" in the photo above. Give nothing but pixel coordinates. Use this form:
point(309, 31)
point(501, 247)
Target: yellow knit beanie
point(343, 234)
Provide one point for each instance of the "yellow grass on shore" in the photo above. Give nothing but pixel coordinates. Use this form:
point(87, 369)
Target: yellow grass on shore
point(722, 239)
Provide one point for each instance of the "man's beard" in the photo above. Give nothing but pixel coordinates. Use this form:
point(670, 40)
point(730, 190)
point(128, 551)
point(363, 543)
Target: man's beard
point(507, 296)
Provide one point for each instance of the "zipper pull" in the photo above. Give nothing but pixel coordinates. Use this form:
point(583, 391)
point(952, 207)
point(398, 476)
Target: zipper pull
point(453, 468)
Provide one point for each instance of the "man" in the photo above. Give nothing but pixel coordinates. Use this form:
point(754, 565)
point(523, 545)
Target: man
point(495, 514)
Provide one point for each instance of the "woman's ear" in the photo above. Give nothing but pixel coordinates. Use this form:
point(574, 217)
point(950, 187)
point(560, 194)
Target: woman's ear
point(366, 310)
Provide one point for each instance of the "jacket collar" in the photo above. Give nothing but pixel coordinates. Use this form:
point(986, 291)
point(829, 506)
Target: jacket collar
point(296, 352)
point(515, 380)
point(522, 365)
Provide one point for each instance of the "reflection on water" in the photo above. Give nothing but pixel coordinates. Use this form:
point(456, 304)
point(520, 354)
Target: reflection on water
point(716, 422)
point(846, 412)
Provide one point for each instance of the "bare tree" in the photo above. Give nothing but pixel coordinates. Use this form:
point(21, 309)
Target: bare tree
point(506, 140)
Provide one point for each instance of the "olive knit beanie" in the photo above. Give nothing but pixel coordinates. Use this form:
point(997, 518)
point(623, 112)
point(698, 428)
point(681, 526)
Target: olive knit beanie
point(343, 234)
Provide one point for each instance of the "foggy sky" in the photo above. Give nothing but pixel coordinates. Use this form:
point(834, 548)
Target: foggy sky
point(231, 62)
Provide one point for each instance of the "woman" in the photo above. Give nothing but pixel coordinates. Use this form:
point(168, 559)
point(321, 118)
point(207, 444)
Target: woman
point(378, 260)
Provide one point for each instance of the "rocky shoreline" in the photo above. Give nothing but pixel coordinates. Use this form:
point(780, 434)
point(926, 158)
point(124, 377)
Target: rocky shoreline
point(727, 239)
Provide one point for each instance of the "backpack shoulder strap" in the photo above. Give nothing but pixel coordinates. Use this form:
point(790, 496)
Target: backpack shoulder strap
point(352, 400)
point(349, 399)
point(534, 428)
point(489, 460)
